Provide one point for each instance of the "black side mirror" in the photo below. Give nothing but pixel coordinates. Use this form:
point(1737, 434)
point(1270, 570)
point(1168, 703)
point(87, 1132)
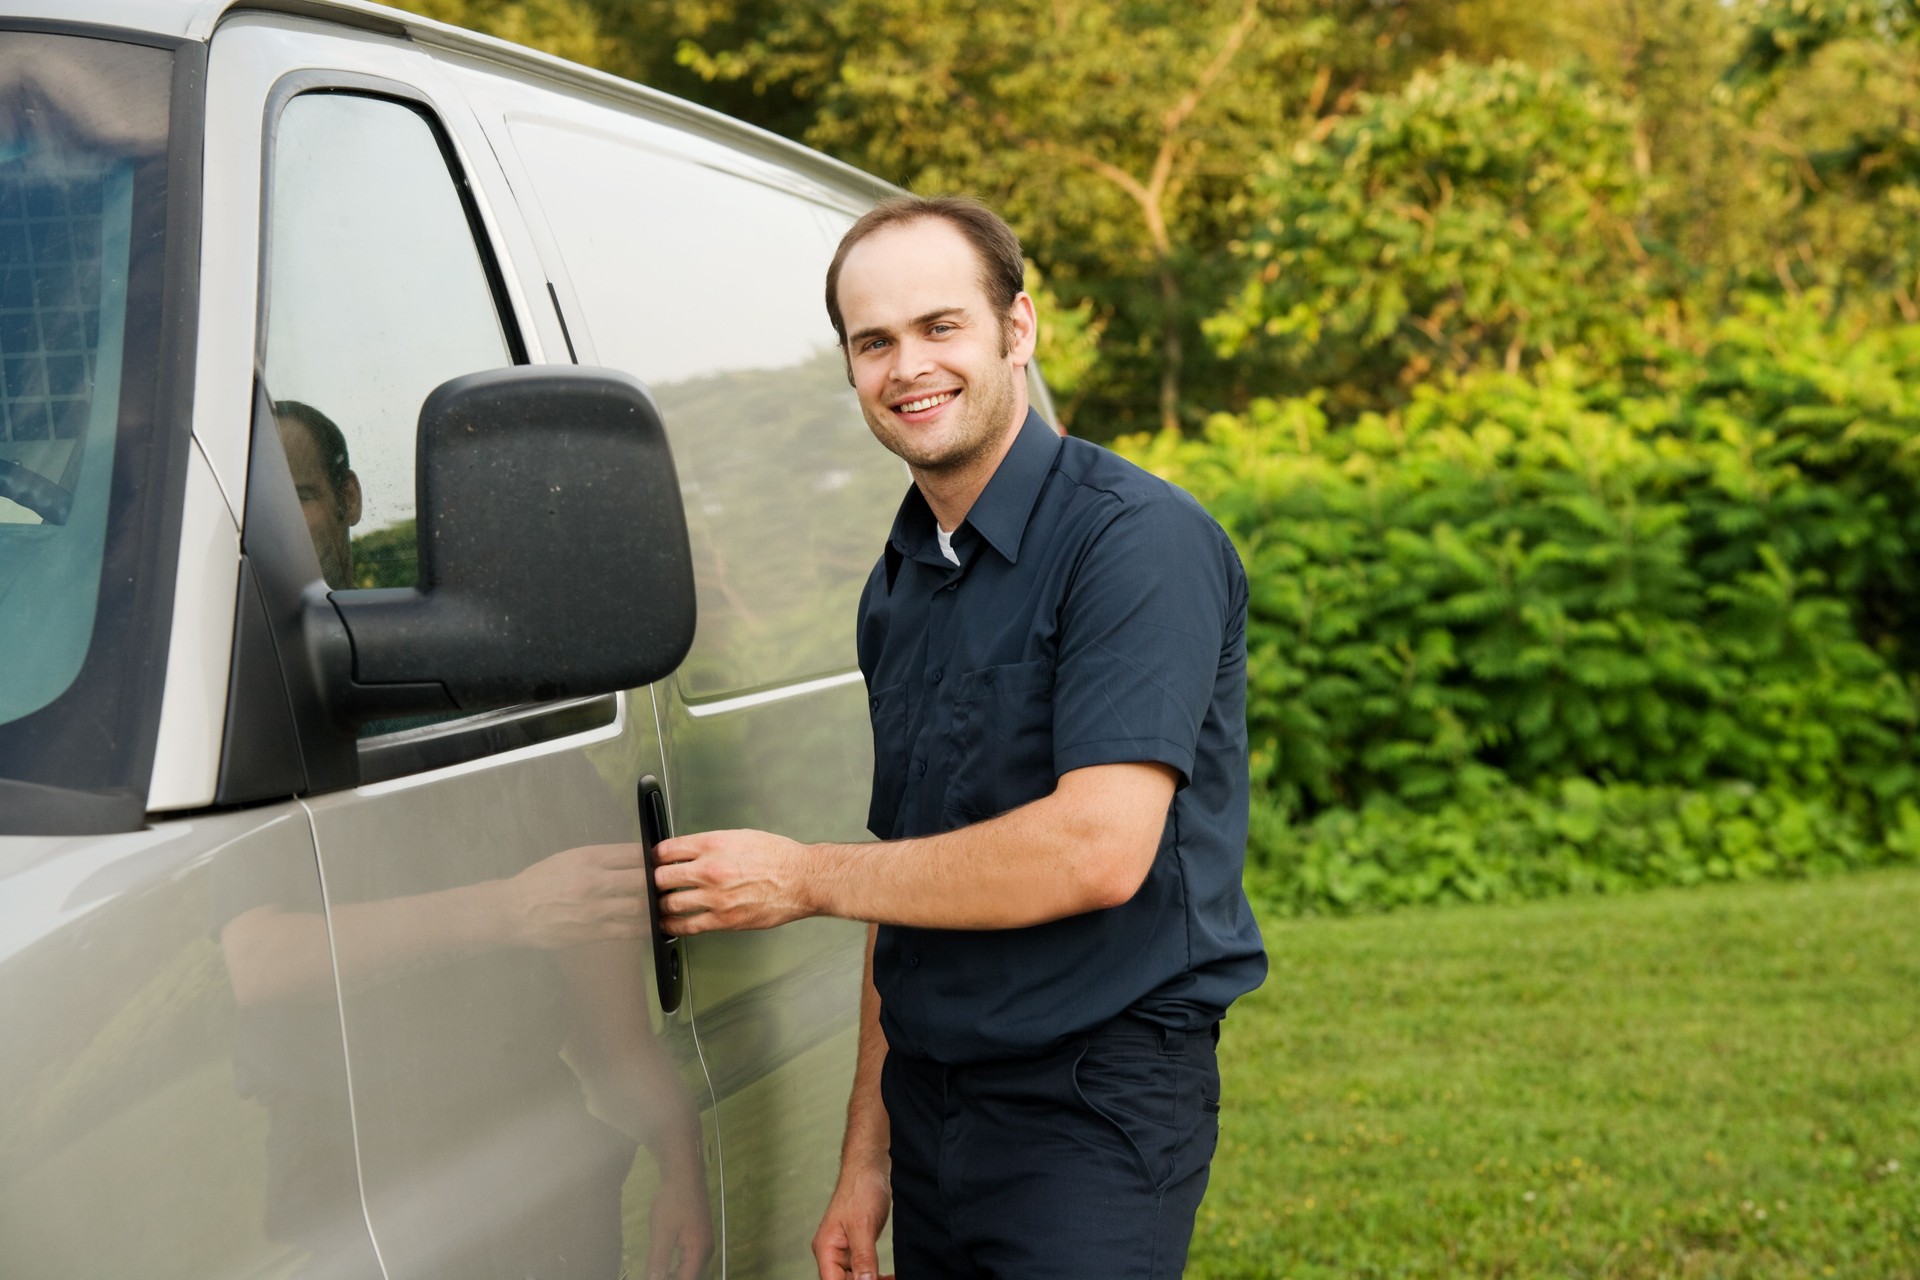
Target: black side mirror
point(553, 555)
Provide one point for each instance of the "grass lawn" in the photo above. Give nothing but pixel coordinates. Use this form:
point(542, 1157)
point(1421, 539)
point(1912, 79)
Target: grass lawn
point(1719, 1082)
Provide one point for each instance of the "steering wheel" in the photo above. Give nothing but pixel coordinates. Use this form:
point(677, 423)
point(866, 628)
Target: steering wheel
point(47, 499)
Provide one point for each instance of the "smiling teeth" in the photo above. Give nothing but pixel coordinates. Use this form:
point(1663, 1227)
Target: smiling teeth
point(915, 406)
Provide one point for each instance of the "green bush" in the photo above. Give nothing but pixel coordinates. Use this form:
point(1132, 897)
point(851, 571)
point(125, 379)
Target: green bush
point(1524, 579)
point(1505, 844)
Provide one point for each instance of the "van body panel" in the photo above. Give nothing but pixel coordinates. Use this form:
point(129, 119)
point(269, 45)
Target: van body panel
point(499, 1091)
point(177, 19)
point(143, 1107)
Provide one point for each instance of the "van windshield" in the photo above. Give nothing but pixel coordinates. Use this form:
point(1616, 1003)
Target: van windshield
point(83, 143)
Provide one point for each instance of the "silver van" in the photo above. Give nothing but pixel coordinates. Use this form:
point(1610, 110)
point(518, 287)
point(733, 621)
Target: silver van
point(379, 406)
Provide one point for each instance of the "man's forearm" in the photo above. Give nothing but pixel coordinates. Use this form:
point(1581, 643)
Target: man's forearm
point(1034, 864)
point(1086, 846)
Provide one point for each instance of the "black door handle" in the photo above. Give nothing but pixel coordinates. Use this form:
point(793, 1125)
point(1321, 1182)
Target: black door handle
point(666, 949)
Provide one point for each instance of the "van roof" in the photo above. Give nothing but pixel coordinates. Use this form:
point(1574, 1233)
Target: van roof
point(196, 19)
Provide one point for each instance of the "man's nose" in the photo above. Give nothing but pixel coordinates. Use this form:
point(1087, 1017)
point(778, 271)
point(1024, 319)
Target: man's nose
point(912, 359)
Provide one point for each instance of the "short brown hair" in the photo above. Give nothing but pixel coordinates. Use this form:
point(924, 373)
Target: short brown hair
point(326, 435)
point(1003, 271)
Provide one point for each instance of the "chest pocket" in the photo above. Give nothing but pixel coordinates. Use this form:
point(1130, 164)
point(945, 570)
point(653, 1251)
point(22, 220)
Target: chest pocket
point(1002, 739)
point(888, 708)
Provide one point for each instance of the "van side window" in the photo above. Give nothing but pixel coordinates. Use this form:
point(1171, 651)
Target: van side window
point(376, 293)
point(707, 286)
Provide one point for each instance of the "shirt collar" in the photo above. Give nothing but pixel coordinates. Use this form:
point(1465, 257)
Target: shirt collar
point(1001, 512)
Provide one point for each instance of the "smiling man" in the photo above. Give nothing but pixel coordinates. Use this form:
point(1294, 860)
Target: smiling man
point(1055, 651)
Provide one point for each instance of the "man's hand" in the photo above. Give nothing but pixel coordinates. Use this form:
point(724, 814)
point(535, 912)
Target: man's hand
point(680, 1238)
point(731, 880)
point(595, 893)
point(847, 1243)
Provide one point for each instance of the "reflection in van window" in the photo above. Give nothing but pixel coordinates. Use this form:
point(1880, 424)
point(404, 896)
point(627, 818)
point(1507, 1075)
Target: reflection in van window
point(707, 286)
point(376, 294)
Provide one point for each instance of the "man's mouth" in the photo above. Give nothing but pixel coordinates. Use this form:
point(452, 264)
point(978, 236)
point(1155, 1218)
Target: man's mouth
point(925, 403)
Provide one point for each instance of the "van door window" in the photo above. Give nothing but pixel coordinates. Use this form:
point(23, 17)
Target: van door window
point(377, 292)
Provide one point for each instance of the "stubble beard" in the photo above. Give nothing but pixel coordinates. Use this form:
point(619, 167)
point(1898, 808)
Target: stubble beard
point(986, 413)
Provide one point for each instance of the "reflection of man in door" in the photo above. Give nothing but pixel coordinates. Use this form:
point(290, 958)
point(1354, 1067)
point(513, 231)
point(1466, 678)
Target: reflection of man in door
point(329, 491)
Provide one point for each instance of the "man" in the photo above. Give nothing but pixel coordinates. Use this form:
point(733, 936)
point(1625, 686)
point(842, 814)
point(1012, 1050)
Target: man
point(329, 490)
point(1054, 648)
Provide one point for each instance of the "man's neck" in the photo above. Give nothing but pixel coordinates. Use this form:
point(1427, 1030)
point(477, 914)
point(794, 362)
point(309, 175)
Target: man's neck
point(950, 494)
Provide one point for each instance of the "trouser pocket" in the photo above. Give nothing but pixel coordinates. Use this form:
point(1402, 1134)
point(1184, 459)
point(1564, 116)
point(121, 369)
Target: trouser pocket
point(1163, 1101)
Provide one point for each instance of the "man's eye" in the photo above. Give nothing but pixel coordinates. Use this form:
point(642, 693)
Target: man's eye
point(941, 328)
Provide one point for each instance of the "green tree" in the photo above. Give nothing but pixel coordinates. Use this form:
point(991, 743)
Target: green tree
point(1832, 92)
point(1116, 137)
point(1481, 216)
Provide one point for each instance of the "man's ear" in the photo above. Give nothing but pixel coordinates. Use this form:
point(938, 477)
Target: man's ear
point(1023, 330)
point(350, 499)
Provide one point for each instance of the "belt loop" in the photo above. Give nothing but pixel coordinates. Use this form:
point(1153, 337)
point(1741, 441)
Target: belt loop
point(1172, 1043)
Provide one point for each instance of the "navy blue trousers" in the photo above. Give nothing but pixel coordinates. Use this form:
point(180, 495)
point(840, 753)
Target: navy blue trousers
point(1087, 1162)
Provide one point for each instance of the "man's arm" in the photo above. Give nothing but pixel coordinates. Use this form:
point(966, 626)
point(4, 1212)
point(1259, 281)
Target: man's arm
point(1086, 846)
point(846, 1245)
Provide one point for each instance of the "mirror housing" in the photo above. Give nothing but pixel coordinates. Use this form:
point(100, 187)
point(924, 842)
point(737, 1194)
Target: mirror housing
point(553, 555)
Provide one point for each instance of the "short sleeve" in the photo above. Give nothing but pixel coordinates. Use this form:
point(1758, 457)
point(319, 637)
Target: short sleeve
point(1142, 629)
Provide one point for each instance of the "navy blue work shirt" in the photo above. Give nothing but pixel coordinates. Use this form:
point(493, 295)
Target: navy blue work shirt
point(1097, 616)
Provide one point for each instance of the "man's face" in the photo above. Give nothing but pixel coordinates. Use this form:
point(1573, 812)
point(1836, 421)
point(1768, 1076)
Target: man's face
point(329, 512)
point(939, 371)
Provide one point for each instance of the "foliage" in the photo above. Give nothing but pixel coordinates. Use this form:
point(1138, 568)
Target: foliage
point(1479, 217)
point(1742, 145)
point(1832, 90)
point(1544, 576)
point(388, 556)
point(1116, 137)
point(1504, 844)
point(1708, 1085)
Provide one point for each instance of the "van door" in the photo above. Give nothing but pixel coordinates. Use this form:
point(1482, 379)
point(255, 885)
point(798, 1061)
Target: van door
point(158, 1116)
point(521, 1104)
point(695, 259)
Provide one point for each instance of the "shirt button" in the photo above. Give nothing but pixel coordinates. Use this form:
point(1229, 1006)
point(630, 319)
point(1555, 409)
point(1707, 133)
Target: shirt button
point(913, 961)
point(936, 675)
point(920, 770)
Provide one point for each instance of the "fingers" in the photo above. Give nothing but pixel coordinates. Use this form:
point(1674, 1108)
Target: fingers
point(846, 1250)
point(866, 1258)
point(684, 848)
point(660, 1255)
point(830, 1251)
point(691, 1260)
